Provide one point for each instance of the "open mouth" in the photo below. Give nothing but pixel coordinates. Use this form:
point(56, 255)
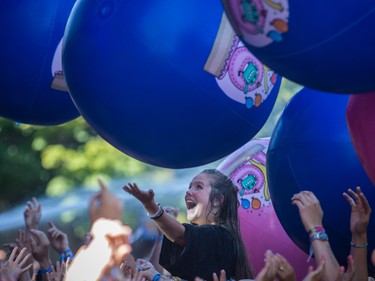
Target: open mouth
point(190, 205)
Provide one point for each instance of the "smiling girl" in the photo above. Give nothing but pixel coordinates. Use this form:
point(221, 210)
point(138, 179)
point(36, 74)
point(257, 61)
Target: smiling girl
point(212, 241)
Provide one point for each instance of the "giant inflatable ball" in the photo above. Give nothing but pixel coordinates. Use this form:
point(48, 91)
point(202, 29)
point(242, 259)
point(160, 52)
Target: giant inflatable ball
point(32, 86)
point(260, 228)
point(360, 117)
point(167, 83)
point(311, 149)
point(325, 45)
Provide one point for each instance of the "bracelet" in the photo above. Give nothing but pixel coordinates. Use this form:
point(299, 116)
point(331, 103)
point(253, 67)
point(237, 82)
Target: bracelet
point(316, 229)
point(66, 254)
point(358, 246)
point(316, 233)
point(158, 213)
point(44, 271)
point(156, 277)
point(322, 235)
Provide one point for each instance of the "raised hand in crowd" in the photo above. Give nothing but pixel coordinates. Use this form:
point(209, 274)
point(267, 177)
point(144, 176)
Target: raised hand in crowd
point(359, 220)
point(311, 215)
point(32, 214)
point(59, 241)
point(21, 243)
point(40, 247)
point(58, 272)
point(16, 265)
point(107, 250)
point(104, 204)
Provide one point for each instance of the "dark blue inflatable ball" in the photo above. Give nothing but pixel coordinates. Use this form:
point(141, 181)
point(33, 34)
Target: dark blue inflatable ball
point(162, 82)
point(32, 86)
point(324, 45)
point(310, 149)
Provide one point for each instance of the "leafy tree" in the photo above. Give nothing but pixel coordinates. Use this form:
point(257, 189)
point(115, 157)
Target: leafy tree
point(37, 160)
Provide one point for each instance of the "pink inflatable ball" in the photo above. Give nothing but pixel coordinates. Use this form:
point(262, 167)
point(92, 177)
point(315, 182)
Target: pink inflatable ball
point(360, 117)
point(260, 228)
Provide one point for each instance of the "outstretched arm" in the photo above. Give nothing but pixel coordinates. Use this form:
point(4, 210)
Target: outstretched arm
point(168, 225)
point(359, 219)
point(311, 215)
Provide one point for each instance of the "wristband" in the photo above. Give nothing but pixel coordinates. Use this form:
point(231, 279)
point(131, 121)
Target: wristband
point(322, 235)
point(156, 277)
point(44, 271)
point(359, 246)
point(158, 213)
point(316, 233)
point(316, 229)
point(39, 274)
point(66, 254)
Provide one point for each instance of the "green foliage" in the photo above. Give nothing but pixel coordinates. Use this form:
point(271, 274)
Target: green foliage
point(38, 160)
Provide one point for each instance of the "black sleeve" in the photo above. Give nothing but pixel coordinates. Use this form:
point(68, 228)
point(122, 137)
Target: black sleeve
point(208, 249)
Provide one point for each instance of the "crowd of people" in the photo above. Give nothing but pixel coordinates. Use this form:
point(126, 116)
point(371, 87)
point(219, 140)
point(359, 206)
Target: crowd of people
point(209, 247)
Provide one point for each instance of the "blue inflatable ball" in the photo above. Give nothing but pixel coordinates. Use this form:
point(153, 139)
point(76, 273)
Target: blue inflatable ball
point(32, 86)
point(324, 45)
point(167, 83)
point(310, 149)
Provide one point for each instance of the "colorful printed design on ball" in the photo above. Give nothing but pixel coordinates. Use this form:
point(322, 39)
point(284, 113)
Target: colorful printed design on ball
point(260, 22)
point(240, 75)
point(250, 178)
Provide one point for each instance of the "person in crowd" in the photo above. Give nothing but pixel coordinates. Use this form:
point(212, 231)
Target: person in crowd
point(102, 257)
point(105, 204)
point(359, 220)
point(311, 215)
point(205, 249)
point(16, 265)
point(276, 267)
point(59, 241)
point(212, 241)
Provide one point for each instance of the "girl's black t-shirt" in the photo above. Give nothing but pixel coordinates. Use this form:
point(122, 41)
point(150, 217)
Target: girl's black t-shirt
point(209, 248)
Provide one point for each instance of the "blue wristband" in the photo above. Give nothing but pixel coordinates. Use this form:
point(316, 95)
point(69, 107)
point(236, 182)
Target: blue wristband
point(66, 254)
point(44, 271)
point(156, 277)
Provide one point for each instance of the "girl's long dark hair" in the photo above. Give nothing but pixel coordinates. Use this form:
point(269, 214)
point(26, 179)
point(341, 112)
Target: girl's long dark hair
point(225, 191)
